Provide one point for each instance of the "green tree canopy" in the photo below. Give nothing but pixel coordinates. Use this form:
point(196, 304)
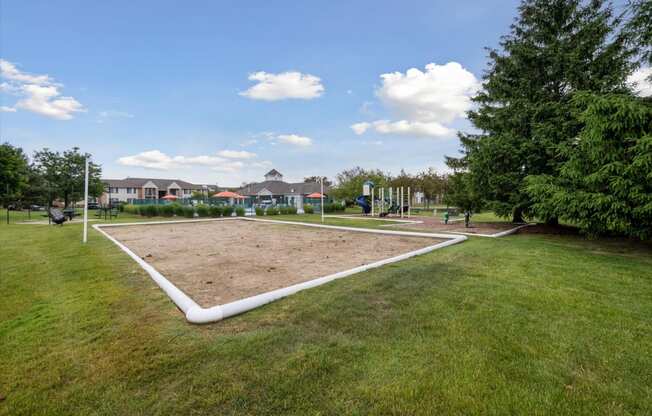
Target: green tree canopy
point(554, 49)
point(14, 171)
point(461, 193)
point(63, 174)
point(605, 185)
point(350, 182)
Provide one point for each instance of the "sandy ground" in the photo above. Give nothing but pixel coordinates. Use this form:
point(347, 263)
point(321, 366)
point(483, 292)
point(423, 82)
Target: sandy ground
point(222, 261)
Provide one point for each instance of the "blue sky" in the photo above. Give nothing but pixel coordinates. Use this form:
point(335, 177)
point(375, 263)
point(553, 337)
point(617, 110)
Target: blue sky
point(172, 79)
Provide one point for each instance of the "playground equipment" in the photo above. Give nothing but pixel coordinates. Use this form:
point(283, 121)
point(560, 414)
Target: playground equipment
point(364, 204)
point(366, 200)
point(396, 202)
point(385, 201)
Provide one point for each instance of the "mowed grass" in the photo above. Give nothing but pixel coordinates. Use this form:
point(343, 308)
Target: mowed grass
point(526, 324)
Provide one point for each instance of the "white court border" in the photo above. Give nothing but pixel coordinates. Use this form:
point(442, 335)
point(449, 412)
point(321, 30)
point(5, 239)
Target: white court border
point(199, 315)
point(403, 222)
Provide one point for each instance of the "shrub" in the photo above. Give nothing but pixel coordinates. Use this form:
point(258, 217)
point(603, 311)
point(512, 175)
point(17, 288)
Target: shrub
point(150, 210)
point(292, 210)
point(166, 210)
point(328, 207)
point(272, 211)
point(260, 211)
point(283, 210)
point(308, 209)
point(131, 209)
point(202, 210)
point(121, 207)
point(227, 211)
point(189, 211)
point(215, 211)
point(179, 211)
point(240, 211)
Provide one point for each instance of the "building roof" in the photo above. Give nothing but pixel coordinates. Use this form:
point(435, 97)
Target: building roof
point(274, 172)
point(280, 188)
point(160, 183)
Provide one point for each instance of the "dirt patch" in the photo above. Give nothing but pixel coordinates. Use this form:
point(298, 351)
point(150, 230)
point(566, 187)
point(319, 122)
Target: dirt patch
point(222, 261)
point(435, 224)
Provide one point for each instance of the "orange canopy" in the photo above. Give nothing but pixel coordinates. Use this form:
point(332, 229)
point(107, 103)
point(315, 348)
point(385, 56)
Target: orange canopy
point(228, 194)
point(168, 196)
point(314, 195)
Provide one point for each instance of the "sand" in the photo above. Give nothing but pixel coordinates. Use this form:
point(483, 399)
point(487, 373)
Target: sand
point(222, 261)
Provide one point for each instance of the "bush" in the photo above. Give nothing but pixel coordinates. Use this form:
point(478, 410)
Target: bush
point(131, 209)
point(150, 210)
point(260, 211)
point(179, 211)
point(215, 211)
point(227, 211)
point(166, 210)
point(189, 211)
point(240, 211)
point(202, 211)
point(283, 210)
point(121, 207)
point(272, 211)
point(308, 209)
point(292, 210)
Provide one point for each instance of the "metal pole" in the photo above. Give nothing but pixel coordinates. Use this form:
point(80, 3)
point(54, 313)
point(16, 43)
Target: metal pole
point(409, 202)
point(401, 204)
point(372, 202)
point(321, 182)
point(85, 239)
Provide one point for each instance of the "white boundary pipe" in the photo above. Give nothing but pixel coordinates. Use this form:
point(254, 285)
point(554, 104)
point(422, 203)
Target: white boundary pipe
point(199, 315)
point(399, 223)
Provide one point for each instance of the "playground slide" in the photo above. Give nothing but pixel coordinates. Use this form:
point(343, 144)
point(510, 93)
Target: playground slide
point(362, 201)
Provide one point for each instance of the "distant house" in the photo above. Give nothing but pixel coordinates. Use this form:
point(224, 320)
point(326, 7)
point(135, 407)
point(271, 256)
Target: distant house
point(129, 189)
point(275, 190)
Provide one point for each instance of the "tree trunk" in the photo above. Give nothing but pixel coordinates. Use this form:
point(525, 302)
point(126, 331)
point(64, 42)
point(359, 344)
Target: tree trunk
point(552, 221)
point(517, 215)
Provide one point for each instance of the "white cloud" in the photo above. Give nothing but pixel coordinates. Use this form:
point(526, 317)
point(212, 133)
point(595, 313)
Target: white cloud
point(640, 82)
point(155, 159)
point(10, 72)
point(109, 114)
point(5, 109)
point(43, 100)
point(360, 128)
point(425, 101)
point(236, 154)
point(286, 85)
point(295, 139)
point(249, 142)
point(40, 94)
point(405, 128)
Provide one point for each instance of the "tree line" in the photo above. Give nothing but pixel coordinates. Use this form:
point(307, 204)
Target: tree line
point(48, 176)
point(349, 183)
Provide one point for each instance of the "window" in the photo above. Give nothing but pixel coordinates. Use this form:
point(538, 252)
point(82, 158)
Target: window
point(131, 190)
point(113, 190)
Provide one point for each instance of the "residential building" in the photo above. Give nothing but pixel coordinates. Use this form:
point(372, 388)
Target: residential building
point(277, 191)
point(129, 189)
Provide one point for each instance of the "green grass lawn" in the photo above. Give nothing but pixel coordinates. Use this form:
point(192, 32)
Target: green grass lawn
point(526, 324)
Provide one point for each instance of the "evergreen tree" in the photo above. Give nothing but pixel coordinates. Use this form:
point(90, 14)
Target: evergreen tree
point(639, 29)
point(554, 50)
point(606, 183)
